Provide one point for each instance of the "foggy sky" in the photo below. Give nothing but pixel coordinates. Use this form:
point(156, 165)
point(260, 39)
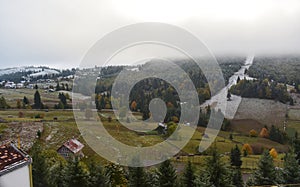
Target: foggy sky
point(58, 33)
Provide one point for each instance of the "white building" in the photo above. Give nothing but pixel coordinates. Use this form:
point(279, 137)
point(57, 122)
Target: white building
point(20, 85)
point(10, 85)
point(15, 167)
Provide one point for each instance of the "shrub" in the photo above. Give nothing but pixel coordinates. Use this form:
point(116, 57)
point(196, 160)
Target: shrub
point(175, 119)
point(39, 116)
point(253, 133)
point(257, 148)
point(21, 114)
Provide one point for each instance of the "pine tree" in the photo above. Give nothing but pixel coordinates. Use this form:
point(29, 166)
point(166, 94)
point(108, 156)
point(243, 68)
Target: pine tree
point(296, 146)
point(57, 86)
point(37, 101)
point(266, 173)
point(39, 167)
point(291, 169)
point(238, 79)
point(237, 179)
point(115, 174)
point(25, 102)
point(67, 87)
point(228, 96)
point(236, 163)
point(62, 98)
point(235, 157)
point(3, 104)
point(76, 174)
point(189, 176)
point(167, 174)
point(216, 169)
point(97, 177)
point(56, 174)
point(137, 177)
point(152, 178)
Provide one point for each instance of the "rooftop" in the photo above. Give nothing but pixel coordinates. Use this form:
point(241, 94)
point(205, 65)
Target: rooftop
point(74, 145)
point(12, 158)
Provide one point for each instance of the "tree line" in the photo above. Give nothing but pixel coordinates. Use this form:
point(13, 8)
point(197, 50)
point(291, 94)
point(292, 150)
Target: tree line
point(50, 169)
point(283, 69)
point(262, 89)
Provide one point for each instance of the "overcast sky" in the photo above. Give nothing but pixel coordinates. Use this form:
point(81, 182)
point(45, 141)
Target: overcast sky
point(58, 33)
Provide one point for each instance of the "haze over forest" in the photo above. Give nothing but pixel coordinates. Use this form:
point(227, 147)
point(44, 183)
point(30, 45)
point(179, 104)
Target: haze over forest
point(59, 33)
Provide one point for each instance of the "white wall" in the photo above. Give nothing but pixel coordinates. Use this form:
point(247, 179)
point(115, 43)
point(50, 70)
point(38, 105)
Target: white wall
point(16, 178)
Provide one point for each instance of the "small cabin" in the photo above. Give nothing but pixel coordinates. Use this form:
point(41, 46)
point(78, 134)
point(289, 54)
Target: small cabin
point(70, 149)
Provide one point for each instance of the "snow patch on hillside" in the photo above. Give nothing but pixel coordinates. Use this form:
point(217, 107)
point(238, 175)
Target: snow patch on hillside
point(45, 72)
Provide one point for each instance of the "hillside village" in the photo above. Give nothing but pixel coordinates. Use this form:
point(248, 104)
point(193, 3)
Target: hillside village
point(36, 117)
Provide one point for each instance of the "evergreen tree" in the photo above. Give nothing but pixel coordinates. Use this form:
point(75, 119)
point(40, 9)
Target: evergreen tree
point(167, 174)
point(3, 104)
point(56, 175)
point(203, 180)
point(57, 86)
point(276, 135)
point(216, 169)
point(37, 101)
point(39, 168)
point(235, 157)
point(228, 96)
point(137, 177)
point(97, 177)
point(25, 102)
point(62, 98)
point(115, 174)
point(239, 79)
point(296, 146)
point(63, 86)
point(152, 178)
point(189, 176)
point(67, 87)
point(291, 169)
point(237, 179)
point(76, 174)
point(266, 173)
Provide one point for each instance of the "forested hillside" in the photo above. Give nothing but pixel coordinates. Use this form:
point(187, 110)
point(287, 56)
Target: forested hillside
point(262, 89)
point(145, 90)
point(284, 69)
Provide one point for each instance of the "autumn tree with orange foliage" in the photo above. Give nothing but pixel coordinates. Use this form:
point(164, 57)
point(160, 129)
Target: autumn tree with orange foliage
point(247, 148)
point(133, 106)
point(264, 133)
point(273, 153)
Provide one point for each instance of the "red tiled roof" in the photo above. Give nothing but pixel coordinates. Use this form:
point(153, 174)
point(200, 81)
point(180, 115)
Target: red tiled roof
point(74, 145)
point(10, 156)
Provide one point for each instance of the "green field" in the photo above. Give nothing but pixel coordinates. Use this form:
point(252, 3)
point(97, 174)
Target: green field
point(56, 132)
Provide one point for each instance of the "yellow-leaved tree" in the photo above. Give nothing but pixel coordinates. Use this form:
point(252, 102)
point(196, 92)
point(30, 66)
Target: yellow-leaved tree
point(247, 149)
point(273, 153)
